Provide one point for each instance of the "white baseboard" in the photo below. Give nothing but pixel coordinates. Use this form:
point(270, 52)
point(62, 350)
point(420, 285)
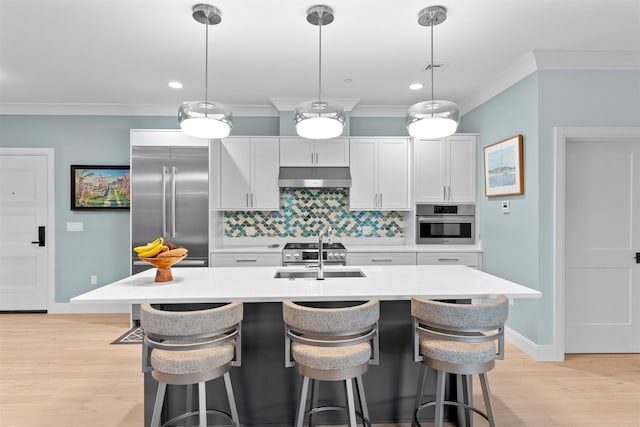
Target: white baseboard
point(539, 353)
point(68, 308)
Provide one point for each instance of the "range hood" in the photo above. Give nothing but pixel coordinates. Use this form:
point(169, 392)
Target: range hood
point(314, 177)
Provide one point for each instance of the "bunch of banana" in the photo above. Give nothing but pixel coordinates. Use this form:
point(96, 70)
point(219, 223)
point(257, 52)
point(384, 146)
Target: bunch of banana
point(159, 249)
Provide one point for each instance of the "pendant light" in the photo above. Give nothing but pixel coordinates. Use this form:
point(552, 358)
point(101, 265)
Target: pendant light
point(319, 119)
point(205, 119)
point(435, 118)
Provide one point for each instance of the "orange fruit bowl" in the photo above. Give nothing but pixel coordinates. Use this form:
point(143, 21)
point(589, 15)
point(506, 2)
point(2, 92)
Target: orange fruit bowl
point(163, 266)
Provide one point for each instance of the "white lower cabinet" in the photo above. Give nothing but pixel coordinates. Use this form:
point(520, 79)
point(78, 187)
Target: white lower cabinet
point(470, 259)
point(245, 260)
point(381, 258)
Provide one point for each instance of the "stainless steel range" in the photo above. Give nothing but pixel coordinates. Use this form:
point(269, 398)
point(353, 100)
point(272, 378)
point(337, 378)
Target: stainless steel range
point(307, 254)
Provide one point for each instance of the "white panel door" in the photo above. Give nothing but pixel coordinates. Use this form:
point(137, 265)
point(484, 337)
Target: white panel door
point(332, 152)
point(602, 278)
point(462, 168)
point(23, 209)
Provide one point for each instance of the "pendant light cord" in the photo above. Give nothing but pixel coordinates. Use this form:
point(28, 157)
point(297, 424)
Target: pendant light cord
point(432, 16)
point(206, 62)
point(320, 60)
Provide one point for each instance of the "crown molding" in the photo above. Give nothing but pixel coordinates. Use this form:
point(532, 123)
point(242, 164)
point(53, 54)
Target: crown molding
point(290, 104)
point(538, 60)
point(122, 110)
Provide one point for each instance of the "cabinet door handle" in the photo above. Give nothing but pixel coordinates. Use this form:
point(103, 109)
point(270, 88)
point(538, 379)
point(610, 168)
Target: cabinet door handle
point(449, 187)
point(317, 157)
point(444, 192)
point(246, 202)
point(251, 201)
point(312, 162)
point(375, 200)
point(381, 260)
point(246, 260)
point(173, 201)
point(380, 204)
point(449, 259)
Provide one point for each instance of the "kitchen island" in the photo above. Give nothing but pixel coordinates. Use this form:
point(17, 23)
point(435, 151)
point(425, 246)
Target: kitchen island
point(266, 391)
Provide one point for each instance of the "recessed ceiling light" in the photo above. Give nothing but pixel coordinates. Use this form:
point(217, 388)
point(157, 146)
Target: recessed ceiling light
point(415, 86)
point(175, 85)
point(348, 80)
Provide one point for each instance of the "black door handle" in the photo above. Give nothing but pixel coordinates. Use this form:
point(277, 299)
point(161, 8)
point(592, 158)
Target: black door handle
point(40, 240)
point(637, 257)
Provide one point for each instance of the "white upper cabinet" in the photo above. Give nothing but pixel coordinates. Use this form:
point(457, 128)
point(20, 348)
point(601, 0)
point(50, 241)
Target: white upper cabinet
point(445, 169)
point(379, 173)
point(295, 151)
point(249, 174)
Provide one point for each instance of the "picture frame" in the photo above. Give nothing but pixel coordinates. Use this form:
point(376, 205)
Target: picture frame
point(504, 168)
point(99, 187)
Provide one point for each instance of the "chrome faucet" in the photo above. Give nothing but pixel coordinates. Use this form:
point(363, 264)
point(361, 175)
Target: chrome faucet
point(320, 271)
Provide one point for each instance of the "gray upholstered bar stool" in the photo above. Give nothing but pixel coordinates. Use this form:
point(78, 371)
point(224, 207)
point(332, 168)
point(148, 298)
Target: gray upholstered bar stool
point(461, 339)
point(192, 347)
point(331, 344)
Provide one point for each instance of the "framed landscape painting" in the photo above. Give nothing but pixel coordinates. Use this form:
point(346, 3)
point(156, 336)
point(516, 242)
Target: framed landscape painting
point(100, 187)
point(503, 167)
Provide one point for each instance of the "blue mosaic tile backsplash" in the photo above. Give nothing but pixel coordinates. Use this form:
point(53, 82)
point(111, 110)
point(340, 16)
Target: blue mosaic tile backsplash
point(303, 213)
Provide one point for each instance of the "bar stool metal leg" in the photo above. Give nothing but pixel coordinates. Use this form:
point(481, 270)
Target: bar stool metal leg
point(303, 401)
point(363, 401)
point(421, 380)
point(202, 404)
point(157, 406)
point(440, 385)
point(486, 393)
point(350, 402)
point(232, 400)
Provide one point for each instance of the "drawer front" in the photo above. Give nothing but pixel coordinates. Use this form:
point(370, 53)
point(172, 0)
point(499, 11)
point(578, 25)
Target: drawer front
point(457, 258)
point(381, 258)
point(245, 260)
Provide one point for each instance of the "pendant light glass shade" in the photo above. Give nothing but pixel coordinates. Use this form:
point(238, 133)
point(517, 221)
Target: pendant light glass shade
point(432, 119)
point(435, 118)
point(205, 119)
point(319, 119)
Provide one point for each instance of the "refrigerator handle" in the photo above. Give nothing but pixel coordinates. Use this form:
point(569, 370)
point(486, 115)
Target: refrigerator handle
point(173, 202)
point(164, 201)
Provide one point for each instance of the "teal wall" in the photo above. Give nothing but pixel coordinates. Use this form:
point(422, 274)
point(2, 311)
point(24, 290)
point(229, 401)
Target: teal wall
point(519, 246)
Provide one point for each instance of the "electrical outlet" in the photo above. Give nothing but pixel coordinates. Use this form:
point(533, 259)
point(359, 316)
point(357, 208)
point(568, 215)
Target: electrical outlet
point(94, 279)
point(505, 207)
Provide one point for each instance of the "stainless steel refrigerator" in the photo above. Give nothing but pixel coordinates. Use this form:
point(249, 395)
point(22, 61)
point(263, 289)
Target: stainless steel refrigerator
point(170, 198)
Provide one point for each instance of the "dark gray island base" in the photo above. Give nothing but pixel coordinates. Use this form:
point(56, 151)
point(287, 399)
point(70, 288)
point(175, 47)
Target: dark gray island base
point(267, 393)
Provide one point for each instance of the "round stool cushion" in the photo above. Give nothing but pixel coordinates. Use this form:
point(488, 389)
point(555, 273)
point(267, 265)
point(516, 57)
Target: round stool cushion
point(331, 358)
point(192, 361)
point(458, 353)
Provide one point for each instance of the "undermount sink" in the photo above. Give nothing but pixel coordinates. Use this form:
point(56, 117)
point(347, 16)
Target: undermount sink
point(312, 274)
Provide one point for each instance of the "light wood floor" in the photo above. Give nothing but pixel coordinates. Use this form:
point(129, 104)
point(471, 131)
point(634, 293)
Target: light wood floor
point(61, 371)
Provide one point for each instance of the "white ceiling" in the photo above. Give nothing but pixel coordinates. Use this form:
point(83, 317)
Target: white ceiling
point(117, 56)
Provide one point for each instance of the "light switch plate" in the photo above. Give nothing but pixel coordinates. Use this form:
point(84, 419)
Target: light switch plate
point(74, 226)
point(505, 207)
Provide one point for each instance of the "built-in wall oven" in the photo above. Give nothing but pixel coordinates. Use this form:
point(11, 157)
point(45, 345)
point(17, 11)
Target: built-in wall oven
point(445, 224)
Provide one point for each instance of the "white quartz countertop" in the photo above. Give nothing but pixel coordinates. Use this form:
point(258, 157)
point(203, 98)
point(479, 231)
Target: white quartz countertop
point(257, 284)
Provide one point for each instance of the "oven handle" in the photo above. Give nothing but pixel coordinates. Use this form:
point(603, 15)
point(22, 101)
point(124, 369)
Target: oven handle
point(445, 218)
